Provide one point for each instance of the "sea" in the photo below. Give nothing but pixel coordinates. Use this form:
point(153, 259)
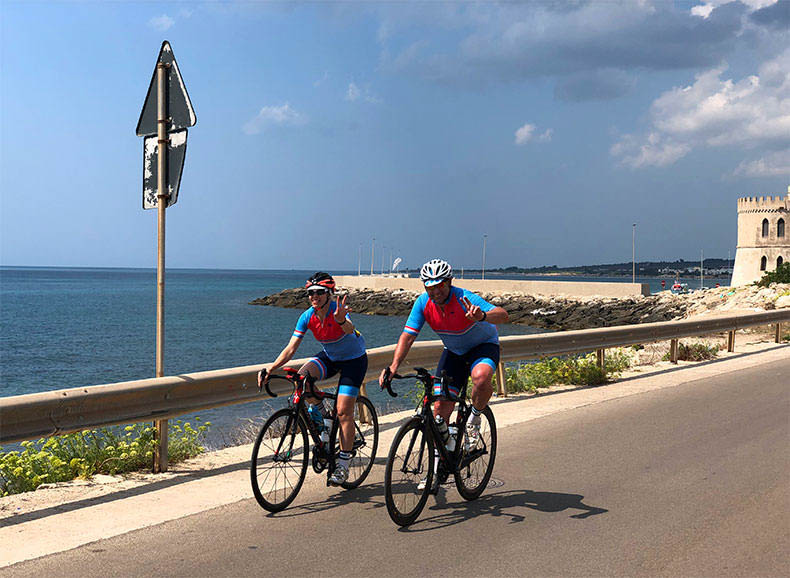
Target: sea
point(74, 327)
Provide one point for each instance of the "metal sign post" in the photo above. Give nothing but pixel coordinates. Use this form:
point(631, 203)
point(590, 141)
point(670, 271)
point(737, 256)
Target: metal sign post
point(166, 96)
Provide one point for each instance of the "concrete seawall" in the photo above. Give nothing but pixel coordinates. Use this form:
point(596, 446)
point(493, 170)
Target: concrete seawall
point(567, 288)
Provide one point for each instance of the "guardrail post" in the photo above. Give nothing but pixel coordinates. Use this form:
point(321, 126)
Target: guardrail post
point(160, 446)
point(501, 382)
point(363, 411)
point(601, 355)
point(673, 351)
point(779, 332)
point(730, 341)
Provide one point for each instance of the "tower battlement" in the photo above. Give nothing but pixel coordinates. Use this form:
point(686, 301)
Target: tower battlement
point(763, 236)
point(766, 203)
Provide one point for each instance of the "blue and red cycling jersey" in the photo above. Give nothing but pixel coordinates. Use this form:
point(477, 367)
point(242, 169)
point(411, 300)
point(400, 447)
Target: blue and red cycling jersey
point(458, 333)
point(338, 345)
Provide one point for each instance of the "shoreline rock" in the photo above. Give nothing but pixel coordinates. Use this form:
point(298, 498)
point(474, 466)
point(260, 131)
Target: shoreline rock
point(564, 313)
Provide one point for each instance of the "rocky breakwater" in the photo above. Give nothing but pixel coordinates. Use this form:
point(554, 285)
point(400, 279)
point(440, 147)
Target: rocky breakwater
point(564, 313)
point(547, 312)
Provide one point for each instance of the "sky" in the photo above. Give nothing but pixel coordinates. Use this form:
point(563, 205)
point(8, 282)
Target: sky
point(544, 129)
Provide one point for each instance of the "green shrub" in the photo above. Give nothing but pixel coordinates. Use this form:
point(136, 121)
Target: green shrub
point(583, 370)
point(695, 352)
point(89, 452)
point(780, 275)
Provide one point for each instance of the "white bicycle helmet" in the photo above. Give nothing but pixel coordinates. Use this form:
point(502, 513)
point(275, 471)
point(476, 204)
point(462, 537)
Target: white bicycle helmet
point(435, 271)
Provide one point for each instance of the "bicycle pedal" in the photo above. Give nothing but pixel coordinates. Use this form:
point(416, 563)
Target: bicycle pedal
point(319, 462)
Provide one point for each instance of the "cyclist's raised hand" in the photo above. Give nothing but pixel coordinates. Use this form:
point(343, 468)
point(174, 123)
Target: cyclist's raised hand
point(473, 312)
point(341, 310)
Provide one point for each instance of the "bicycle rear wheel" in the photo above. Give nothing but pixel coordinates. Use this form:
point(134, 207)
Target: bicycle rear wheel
point(279, 460)
point(410, 462)
point(476, 457)
point(366, 442)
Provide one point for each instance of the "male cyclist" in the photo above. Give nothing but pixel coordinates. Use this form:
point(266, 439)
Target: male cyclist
point(465, 323)
point(343, 352)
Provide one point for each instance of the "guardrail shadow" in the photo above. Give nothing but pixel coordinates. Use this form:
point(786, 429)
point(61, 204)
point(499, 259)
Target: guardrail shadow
point(181, 476)
point(506, 504)
point(693, 364)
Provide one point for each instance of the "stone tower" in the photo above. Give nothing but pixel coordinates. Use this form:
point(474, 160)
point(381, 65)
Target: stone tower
point(763, 236)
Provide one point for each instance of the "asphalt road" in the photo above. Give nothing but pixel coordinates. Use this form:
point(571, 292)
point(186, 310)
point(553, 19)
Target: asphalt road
point(691, 480)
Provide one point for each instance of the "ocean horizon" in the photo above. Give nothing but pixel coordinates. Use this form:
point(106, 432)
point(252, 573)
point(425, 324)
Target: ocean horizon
point(66, 327)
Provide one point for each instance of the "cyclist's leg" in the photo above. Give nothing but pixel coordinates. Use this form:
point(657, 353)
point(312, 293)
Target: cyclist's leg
point(319, 367)
point(458, 371)
point(352, 374)
point(484, 359)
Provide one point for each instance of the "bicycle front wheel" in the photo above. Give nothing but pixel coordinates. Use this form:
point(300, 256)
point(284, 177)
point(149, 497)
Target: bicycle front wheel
point(409, 473)
point(366, 442)
point(476, 457)
point(279, 460)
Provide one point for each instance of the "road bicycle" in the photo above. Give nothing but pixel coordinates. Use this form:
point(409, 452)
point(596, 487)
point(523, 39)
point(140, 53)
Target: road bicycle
point(409, 475)
point(282, 449)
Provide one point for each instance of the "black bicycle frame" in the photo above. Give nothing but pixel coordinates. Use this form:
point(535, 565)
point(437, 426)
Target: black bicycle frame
point(298, 409)
point(427, 419)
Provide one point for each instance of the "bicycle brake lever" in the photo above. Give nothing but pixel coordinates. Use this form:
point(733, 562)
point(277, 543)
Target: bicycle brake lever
point(266, 383)
point(388, 377)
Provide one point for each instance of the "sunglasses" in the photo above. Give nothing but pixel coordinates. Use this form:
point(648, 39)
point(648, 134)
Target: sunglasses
point(316, 292)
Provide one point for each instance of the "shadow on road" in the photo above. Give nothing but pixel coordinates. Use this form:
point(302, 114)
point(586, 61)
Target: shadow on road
point(509, 504)
point(442, 513)
point(372, 494)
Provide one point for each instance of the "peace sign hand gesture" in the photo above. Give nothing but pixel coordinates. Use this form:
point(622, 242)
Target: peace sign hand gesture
point(473, 312)
point(341, 310)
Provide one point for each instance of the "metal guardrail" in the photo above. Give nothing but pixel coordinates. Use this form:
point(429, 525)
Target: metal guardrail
point(44, 414)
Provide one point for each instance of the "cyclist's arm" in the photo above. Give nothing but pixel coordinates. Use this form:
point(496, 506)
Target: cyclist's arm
point(493, 314)
point(497, 315)
point(286, 354)
point(348, 326)
point(401, 351)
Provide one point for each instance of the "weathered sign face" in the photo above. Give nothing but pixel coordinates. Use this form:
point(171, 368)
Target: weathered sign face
point(179, 107)
point(176, 152)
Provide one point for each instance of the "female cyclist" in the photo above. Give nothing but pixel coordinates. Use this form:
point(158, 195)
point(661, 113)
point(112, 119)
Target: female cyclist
point(343, 352)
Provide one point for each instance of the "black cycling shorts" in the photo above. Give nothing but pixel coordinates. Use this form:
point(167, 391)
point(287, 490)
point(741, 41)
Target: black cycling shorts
point(352, 372)
point(459, 367)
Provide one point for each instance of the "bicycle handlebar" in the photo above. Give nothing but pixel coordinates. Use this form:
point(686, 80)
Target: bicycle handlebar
point(421, 374)
point(291, 375)
point(388, 377)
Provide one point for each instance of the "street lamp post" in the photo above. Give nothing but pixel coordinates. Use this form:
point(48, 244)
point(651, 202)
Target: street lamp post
point(633, 254)
point(359, 261)
point(372, 244)
point(483, 275)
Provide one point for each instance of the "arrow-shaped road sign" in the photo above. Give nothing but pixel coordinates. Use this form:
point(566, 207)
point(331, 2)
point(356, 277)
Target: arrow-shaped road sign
point(176, 151)
point(179, 108)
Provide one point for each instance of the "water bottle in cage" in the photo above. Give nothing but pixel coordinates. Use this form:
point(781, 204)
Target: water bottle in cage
point(453, 431)
point(316, 416)
point(326, 411)
point(441, 425)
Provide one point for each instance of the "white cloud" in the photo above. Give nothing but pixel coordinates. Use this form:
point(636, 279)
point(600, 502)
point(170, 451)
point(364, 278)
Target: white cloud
point(772, 165)
point(273, 115)
point(527, 133)
point(161, 23)
point(752, 113)
point(355, 93)
point(705, 9)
